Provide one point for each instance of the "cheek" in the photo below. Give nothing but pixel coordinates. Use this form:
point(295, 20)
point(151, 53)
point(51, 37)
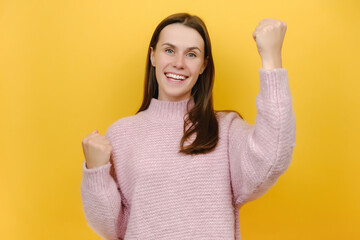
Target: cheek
point(158, 73)
point(161, 60)
point(159, 68)
point(196, 67)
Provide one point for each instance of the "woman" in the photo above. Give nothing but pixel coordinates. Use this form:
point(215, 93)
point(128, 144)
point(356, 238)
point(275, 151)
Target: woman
point(178, 169)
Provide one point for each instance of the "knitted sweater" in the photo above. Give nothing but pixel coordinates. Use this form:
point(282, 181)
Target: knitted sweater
point(159, 193)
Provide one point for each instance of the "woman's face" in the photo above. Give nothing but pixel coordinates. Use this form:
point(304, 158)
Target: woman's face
point(178, 60)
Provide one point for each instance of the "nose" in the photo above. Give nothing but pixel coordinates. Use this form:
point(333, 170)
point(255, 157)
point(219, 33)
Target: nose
point(179, 61)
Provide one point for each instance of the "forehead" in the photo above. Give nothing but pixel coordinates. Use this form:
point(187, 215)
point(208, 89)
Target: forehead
point(181, 36)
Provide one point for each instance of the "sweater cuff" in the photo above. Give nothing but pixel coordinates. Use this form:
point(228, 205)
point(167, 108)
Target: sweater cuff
point(97, 179)
point(274, 83)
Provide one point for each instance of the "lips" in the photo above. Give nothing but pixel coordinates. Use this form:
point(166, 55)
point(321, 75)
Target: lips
point(175, 77)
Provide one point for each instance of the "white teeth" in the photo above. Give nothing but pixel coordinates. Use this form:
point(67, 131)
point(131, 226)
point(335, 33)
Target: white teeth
point(175, 76)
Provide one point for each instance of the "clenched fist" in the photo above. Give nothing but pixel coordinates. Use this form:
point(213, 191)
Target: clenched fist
point(269, 36)
point(97, 150)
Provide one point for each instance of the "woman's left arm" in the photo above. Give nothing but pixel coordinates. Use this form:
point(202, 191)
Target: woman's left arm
point(259, 154)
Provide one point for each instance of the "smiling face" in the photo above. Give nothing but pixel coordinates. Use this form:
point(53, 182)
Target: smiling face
point(178, 60)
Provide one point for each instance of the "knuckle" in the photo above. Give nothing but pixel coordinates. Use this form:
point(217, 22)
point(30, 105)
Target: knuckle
point(91, 142)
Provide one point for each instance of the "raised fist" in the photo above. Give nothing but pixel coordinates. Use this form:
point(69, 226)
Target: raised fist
point(269, 36)
point(97, 150)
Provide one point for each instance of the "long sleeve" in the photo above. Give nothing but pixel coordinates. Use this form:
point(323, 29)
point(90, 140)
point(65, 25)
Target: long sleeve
point(260, 153)
point(101, 201)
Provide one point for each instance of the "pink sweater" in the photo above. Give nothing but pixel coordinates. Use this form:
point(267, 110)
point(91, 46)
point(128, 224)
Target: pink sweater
point(162, 194)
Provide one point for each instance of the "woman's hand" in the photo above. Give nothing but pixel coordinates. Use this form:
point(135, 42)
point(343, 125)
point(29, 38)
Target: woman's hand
point(97, 150)
point(269, 36)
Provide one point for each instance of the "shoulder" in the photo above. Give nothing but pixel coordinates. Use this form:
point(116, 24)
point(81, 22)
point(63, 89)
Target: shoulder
point(230, 120)
point(226, 117)
point(123, 125)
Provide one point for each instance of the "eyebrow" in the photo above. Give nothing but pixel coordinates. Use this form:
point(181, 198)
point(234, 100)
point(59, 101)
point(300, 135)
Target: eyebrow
point(173, 46)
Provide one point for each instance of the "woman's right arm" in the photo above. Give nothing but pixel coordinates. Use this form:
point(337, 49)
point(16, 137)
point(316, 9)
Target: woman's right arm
point(99, 190)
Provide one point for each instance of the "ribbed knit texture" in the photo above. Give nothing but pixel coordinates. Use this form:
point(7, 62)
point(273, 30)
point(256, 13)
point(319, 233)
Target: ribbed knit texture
point(163, 194)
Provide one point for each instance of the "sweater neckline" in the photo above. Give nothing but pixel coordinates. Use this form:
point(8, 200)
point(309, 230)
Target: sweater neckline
point(163, 109)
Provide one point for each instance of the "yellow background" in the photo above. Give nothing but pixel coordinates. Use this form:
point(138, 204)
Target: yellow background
point(69, 67)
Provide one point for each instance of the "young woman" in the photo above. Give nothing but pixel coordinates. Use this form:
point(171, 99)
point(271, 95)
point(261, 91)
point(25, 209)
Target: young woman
point(178, 169)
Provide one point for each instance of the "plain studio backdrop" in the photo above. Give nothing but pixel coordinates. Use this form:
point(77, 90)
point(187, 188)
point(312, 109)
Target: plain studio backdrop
point(70, 67)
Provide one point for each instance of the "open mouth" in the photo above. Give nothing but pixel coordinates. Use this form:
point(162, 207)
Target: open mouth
point(175, 77)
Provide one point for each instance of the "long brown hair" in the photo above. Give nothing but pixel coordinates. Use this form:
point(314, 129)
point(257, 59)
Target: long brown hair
point(201, 119)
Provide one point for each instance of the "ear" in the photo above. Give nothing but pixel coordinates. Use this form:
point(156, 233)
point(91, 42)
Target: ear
point(152, 58)
point(203, 67)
